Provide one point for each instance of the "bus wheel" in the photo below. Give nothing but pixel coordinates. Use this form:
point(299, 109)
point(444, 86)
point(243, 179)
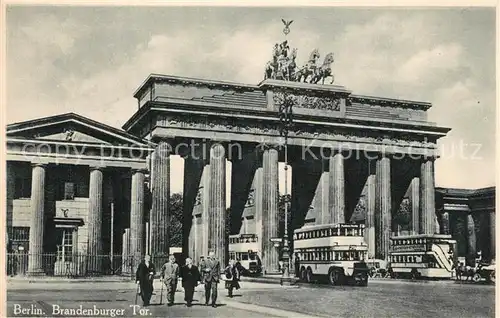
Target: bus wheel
point(364, 281)
point(415, 274)
point(334, 277)
point(303, 274)
point(476, 277)
point(309, 275)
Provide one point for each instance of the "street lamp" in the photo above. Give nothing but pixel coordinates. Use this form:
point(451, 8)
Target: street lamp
point(285, 116)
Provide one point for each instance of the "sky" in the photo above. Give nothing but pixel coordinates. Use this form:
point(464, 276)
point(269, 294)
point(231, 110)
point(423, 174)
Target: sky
point(90, 60)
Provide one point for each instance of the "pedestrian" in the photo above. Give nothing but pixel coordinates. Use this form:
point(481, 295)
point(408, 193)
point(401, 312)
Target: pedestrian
point(211, 278)
point(232, 277)
point(190, 276)
point(144, 277)
point(297, 264)
point(170, 276)
point(201, 262)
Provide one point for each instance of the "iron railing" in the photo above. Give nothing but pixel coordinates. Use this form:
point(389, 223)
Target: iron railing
point(77, 265)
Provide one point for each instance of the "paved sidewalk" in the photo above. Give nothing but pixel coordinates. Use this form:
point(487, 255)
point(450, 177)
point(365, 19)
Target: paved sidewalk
point(120, 294)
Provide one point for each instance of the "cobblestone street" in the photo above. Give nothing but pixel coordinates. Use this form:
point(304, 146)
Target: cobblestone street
point(379, 299)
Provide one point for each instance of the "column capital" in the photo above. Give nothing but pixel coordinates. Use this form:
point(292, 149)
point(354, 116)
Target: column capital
point(139, 170)
point(267, 146)
point(428, 158)
point(97, 167)
point(338, 151)
point(39, 164)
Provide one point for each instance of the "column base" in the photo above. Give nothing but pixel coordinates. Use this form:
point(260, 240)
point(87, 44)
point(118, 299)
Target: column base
point(287, 281)
point(36, 272)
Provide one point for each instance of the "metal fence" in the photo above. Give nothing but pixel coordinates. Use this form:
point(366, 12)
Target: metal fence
point(76, 265)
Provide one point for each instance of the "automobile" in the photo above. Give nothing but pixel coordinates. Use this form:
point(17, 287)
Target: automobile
point(486, 271)
point(378, 267)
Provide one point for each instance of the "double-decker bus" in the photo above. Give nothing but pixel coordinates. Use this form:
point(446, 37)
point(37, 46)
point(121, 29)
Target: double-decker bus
point(423, 256)
point(336, 251)
point(244, 248)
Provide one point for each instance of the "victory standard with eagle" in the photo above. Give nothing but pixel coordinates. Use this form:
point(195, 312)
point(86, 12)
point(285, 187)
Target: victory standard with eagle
point(283, 66)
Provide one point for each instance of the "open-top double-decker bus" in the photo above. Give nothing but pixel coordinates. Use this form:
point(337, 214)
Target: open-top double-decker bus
point(336, 251)
point(423, 256)
point(245, 249)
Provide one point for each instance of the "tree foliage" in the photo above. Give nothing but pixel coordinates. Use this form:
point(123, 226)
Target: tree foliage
point(176, 218)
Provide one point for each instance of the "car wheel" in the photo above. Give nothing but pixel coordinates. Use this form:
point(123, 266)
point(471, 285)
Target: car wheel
point(476, 277)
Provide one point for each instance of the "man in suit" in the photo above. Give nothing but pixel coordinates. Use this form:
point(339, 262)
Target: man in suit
point(170, 275)
point(144, 277)
point(190, 277)
point(211, 277)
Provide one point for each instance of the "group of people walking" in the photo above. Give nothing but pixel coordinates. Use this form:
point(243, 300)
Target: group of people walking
point(208, 272)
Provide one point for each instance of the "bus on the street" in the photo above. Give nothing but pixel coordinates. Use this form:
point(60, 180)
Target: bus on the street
point(244, 248)
point(334, 251)
point(423, 256)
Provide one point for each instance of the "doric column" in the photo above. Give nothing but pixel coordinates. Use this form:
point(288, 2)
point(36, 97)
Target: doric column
point(94, 248)
point(137, 215)
point(270, 214)
point(35, 266)
point(126, 251)
point(11, 185)
point(445, 223)
point(323, 217)
point(492, 235)
point(383, 207)
point(471, 240)
point(415, 205)
point(427, 197)
point(161, 195)
point(217, 240)
point(370, 214)
point(337, 188)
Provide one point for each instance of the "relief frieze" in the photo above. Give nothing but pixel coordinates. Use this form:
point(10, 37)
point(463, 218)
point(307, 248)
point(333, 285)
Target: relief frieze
point(330, 103)
point(305, 131)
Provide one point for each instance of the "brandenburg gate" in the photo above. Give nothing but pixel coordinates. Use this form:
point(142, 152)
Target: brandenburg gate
point(339, 143)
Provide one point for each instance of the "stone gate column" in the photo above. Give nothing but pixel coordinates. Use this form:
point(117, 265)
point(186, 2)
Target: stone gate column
point(337, 188)
point(370, 214)
point(218, 240)
point(324, 216)
point(383, 207)
point(94, 248)
point(471, 240)
point(270, 214)
point(35, 266)
point(137, 215)
point(415, 205)
point(160, 213)
point(427, 197)
point(445, 223)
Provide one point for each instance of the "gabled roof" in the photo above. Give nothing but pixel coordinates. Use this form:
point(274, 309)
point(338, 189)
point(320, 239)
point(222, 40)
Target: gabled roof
point(72, 127)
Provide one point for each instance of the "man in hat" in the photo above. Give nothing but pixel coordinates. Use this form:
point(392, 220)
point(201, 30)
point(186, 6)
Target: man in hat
point(211, 277)
point(190, 277)
point(170, 276)
point(144, 277)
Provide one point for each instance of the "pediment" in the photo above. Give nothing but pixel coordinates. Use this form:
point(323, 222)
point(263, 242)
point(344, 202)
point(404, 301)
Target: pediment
point(72, 128)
